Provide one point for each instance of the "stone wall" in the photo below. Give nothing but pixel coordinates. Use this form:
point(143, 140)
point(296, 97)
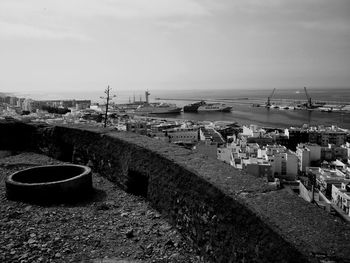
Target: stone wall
point(15, 136)
point(227, 215)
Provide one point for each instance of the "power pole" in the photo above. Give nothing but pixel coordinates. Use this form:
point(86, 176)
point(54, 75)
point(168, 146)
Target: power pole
point(108, 98)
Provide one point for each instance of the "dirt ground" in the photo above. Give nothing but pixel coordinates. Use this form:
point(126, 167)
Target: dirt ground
point(111, 227)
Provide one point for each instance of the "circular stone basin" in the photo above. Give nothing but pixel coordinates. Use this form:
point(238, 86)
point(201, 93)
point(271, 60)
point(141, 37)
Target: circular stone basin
point(50, 183)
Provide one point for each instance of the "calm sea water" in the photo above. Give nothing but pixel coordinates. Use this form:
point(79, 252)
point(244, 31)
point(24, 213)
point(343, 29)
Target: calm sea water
point(241, 113)
point(245, 114)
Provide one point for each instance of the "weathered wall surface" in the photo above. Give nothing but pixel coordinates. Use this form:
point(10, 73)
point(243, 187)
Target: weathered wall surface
point(227, 215)
point(16, 135)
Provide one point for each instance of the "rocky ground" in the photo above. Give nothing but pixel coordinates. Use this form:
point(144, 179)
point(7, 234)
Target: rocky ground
point(111, 227)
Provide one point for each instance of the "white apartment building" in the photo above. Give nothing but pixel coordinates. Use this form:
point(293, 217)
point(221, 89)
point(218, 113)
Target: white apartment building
point(230, 152)
point(252, 149)
point(341, 197)
point(284, 165)
point(252, 131)
point(325, 178)
point(303, 155)
point(307, 153)
point(347, 147)
point(273, 160)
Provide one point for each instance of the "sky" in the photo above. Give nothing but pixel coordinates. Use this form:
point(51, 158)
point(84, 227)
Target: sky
point(85, 45)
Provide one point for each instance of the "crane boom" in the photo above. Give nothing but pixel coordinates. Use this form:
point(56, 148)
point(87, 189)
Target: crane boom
point(307, 94)
point(268, 103)
point(272, 93)
point(309, 102)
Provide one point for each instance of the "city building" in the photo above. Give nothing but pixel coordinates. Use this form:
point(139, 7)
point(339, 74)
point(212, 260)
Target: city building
point(20, 102)
point(324, 178)
point(320, 135)
point(254, 134)
point(258, 167)
point(308, 154)
point(31, 105)
point(341, 197)
point(210, 134)
point(183, 135)
point(13, 101)
point(296, 135)
point(347, 147)
point(333, 135)
point(139, 127)
point(284, 165)
point(332, 152)
point(82, 104)
point(253, 131)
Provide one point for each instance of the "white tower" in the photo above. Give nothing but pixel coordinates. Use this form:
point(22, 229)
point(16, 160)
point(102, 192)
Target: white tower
point(147, 95)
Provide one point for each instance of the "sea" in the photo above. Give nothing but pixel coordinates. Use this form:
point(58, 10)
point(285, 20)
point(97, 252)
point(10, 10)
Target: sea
point(241, 100)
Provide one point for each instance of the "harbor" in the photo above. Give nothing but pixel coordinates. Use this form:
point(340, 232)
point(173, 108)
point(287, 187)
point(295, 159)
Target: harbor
point(308, 103)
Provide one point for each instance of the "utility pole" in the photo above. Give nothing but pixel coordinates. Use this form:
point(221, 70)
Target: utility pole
point(108, 98)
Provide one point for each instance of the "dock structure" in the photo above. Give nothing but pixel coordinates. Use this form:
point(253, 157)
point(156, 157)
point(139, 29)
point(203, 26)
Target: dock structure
point(262, 101)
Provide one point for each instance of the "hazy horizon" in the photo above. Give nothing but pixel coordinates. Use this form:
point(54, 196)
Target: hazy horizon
point(84, 45)
point(336, 94)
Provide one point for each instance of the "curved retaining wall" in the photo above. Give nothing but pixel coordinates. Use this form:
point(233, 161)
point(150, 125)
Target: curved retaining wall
point(227, 215)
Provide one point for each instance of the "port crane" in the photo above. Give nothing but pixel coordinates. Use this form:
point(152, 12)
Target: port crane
point(309, 101)
point(268, 103)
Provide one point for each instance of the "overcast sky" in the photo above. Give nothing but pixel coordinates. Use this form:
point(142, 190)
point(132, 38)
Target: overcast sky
point(76, 45)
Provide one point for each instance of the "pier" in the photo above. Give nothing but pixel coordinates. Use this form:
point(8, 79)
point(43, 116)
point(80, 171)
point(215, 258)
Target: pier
point(262, 102)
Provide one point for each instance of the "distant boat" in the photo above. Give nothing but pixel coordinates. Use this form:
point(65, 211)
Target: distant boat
point(214, 107)
point(328, 110)
point(157, 108)
point(194, 106)
point(285, 108)
point(147, 108)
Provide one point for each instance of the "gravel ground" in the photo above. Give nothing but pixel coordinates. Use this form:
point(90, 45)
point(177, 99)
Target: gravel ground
point(111, 227)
